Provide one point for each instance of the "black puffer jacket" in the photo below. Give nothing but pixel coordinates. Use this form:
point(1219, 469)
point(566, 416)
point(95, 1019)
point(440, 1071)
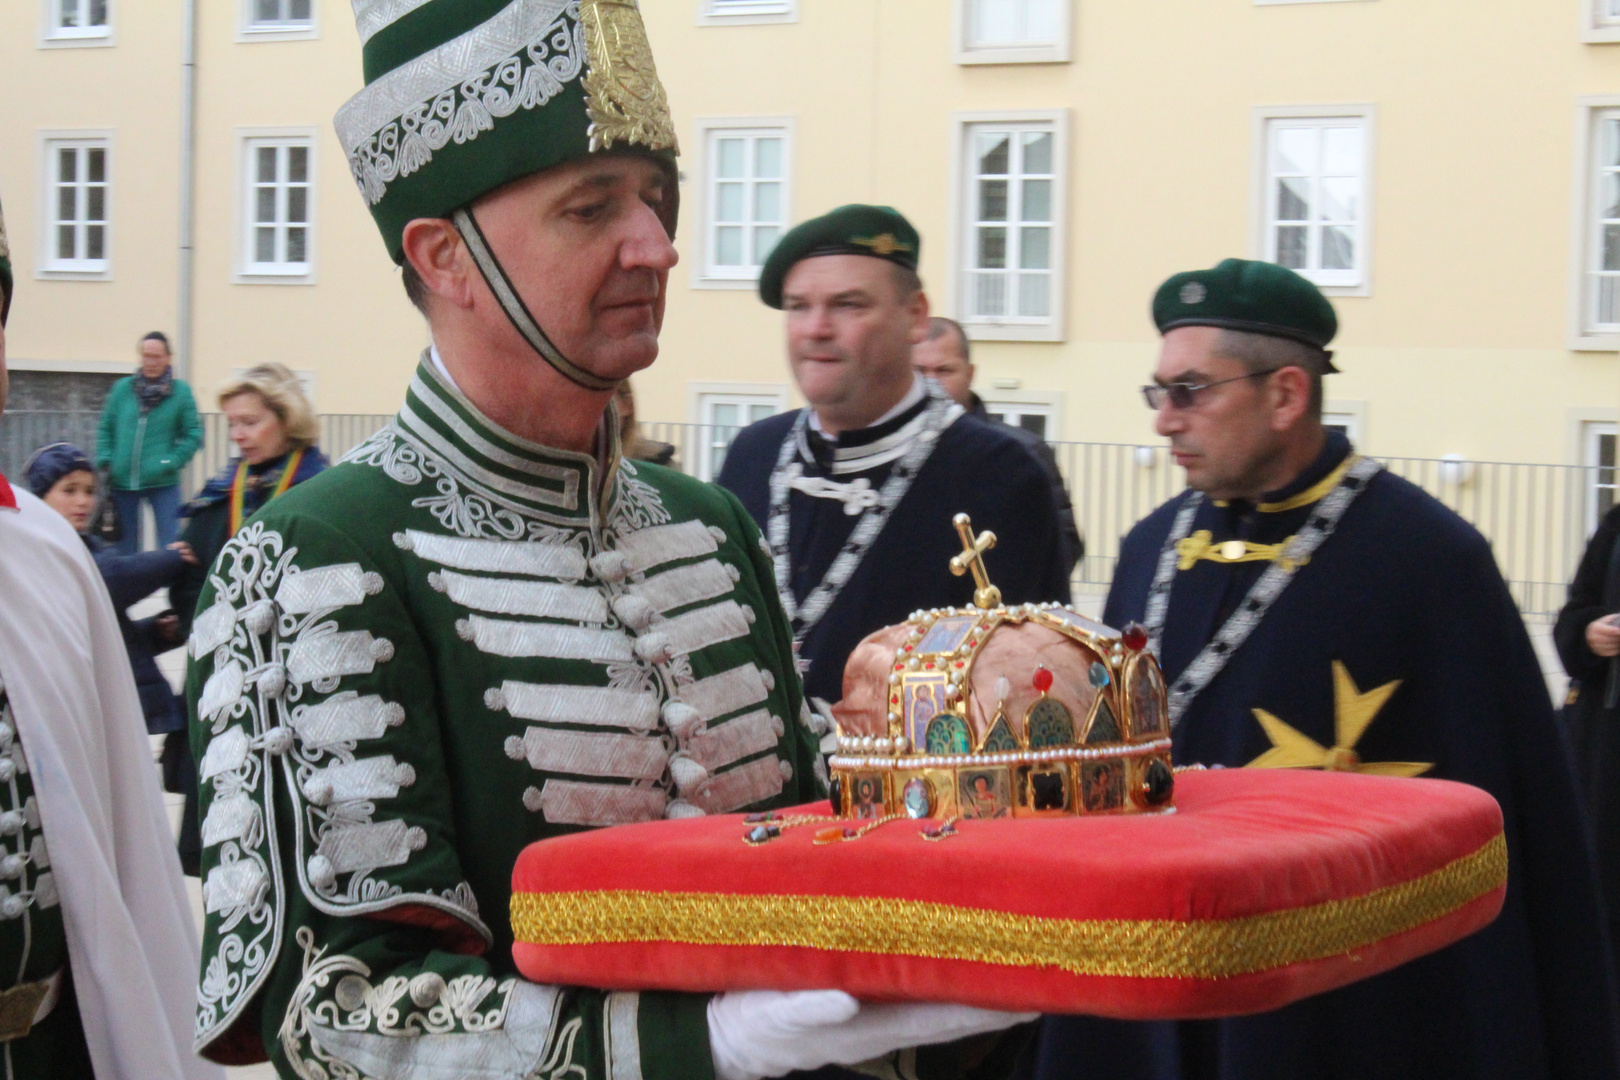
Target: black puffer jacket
point(131, 579)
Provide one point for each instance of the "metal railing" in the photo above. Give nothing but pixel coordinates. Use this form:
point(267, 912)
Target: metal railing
point(1537, 517)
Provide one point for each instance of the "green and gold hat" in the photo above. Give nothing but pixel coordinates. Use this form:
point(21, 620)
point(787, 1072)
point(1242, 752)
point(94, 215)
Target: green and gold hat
point(5, 271)
point(463, 96)
point(1243, 294)
point(879, 231)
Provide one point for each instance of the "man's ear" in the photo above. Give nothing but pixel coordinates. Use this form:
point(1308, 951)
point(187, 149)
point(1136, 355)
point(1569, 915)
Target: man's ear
point(918, 310)
point(434, 249)
point(1290, 389)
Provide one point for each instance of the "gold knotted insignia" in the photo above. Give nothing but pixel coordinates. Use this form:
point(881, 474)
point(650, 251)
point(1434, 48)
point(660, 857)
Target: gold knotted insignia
point(1201, 545)
point(883, 244)
point(623, 96)
point(1353, 711)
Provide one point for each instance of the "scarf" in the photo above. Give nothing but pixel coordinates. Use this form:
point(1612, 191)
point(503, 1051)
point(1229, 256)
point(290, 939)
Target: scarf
point(151, 392)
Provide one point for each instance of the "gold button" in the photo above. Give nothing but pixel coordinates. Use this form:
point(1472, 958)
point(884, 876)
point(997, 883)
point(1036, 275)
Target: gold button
point(1233, 550)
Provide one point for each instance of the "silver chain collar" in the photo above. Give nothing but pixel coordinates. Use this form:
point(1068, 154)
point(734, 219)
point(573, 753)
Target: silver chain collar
point(1260, 597)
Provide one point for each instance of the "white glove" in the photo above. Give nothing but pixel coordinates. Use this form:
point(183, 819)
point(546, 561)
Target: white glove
point(760, 1033)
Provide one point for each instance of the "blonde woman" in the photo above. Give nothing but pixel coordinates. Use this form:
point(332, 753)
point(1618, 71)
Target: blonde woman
point(274, 428)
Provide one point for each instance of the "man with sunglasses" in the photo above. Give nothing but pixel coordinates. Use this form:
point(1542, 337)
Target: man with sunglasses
point(1312, 610)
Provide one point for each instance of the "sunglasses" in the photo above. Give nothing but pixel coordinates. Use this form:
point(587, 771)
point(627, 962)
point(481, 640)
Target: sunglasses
point(1182, 395)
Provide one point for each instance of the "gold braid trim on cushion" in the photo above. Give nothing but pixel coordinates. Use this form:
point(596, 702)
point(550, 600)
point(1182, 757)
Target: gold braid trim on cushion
point(1145, 948)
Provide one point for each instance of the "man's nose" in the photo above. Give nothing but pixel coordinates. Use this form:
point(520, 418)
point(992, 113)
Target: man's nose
point(648, 244)
point(1167, 420)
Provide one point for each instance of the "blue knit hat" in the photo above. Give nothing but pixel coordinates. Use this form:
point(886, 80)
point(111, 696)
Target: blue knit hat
point(50, 463)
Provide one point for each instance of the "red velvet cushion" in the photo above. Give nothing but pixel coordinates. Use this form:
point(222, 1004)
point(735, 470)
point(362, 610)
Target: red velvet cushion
point(1265, 886)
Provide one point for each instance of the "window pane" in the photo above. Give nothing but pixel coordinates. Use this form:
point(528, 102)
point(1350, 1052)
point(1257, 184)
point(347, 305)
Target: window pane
point(729, 203)
point(1042, 20)
point(992, 153)
point(297, 208)
point(1293, 200)
point(1295, 151)
point(70, 13)
point(98, 13)
point(267, 164)
point(1338, 248)
point(728, 158)
point(264, 245)
point(96, 203)
point(67, 203)
point(65, 242)
point(768, 159)
point(1032, 295)
point(997, 21)
point(992, 200)
point(990, 294)
point(1608, 312)
point(1038, 152)
point(768, 202)
point(297, 164)
point(728, 246)
point(1037, 200)
point(299, 11)
point(760, 411)
point(95, 242)
point(1291, 243)
point(765, 237)
point(67, 164)
point(266, 210)
point(295, 245)
point(1611, 142)
point(1341, 151)
point(266, 11)
point(1033, 422)
point(96, 165)
point(1035, 248)
point(1611, 196)
point(725, 416)
point(992, 249)
point(1339, 196)
point(1611, 247)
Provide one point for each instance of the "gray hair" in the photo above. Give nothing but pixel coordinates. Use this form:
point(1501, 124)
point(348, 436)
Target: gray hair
point(939, 326)
point(1265, 352)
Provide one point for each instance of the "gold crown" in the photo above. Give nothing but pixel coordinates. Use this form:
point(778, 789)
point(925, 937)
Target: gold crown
point(1032, 710)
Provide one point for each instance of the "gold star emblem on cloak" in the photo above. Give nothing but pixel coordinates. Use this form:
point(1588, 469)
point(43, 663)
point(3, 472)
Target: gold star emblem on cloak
point(1353, 711)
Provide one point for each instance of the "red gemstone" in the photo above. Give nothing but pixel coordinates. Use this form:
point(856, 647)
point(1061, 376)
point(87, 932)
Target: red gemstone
point(959, 663)
point(929, 665)
point(1134, 636)
point(908, 648)
point(1043, 680)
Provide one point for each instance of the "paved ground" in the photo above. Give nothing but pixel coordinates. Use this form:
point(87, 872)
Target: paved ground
point(173, 665)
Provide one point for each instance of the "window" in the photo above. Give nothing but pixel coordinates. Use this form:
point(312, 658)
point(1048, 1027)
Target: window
point(77, 22)
point(1599, 452)
point(1600, 284)
point(1011, 236)
point(76, 241)
point(734, 12)
point(276, 213)
point(1314, 193)
point(1030, 417)
point(746, 205)
point(268, 20)
point(722, 416)
point(1602, 21)
point(1012, 31)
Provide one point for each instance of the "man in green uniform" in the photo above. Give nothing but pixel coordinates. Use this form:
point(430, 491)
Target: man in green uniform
point(484, 628)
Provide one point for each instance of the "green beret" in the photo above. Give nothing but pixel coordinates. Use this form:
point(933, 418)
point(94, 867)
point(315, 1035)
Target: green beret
point(5, 272)
point(1242, 294)
point(463, 96)
point(879, 231)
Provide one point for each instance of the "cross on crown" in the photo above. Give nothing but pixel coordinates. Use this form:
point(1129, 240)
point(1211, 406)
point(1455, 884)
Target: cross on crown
point(985, 595)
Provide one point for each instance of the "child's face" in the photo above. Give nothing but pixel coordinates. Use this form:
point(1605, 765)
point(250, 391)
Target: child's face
point(74, 497)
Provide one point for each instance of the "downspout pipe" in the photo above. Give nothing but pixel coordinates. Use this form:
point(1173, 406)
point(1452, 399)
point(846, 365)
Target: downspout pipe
point(188, 186)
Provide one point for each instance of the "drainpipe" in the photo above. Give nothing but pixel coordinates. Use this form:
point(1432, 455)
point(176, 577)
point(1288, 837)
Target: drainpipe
point(188, 183)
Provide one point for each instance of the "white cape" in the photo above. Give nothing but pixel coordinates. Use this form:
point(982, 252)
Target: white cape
point(131, 941)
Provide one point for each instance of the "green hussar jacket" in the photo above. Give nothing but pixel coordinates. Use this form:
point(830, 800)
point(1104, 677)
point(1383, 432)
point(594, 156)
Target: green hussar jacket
point(450, 645)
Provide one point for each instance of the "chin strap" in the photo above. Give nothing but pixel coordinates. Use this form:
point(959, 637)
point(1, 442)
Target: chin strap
point(495, 277)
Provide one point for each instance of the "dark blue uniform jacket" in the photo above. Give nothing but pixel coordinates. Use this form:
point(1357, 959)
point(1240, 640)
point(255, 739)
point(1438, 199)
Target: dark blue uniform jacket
point(977, 468)
point(1406, 591)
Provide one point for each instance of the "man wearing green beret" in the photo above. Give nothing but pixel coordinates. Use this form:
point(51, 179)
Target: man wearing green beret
point(483, 627)
point(856, 493)
point(1311, 610)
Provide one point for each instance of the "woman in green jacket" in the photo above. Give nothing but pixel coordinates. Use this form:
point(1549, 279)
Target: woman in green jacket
point(149, 430)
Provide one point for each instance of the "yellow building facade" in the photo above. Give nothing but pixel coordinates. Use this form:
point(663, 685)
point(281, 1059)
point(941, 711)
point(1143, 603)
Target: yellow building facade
point(1450, 172)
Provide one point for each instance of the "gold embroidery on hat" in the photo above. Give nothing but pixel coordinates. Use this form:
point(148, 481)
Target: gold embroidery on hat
point(623, 96)
point(883, 244)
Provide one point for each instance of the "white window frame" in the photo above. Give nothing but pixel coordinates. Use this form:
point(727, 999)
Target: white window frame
point(245, 270)
point(1592, 432)
point(1013, 411)
point(703, 396)
point(1352, 415)
point(1260, 202)
point(52, 35)
point(746, 12)
point(705, 275)
point(1582, 335)
point(1598, 28)
point(1011, 328)
point(248, 28)
point(964, 51)
point(47, 266)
